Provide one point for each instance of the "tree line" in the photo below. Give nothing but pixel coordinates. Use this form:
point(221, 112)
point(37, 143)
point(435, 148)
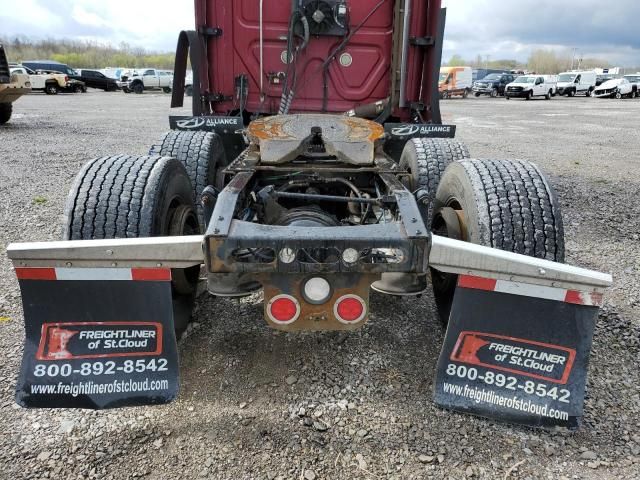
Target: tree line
point(85, 53)
point(540, 61)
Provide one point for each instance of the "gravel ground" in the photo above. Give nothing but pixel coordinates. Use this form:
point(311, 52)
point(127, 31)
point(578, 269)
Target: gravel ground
point(261, 404)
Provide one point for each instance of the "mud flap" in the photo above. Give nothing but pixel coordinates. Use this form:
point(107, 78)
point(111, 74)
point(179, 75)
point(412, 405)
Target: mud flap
point(517, 353)
point(97, 338)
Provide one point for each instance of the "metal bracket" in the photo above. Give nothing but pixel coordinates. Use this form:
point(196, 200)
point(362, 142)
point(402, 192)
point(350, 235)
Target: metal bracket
point(217, 97)
point(210, 31)
point(422, 41)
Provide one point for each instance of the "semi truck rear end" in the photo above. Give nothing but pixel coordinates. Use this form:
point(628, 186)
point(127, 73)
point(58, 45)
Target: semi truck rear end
point(315, 169)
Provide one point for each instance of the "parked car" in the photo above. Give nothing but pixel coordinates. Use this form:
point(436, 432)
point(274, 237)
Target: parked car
point(634, 80)
point(616, 88)
point(600, 79)
point(50, 66)
point(188, 84)
point(493, 84)
point(577, 83)
point(480, 73)
point(528, 87)
point(150, 79)
point(96, 79)
point(455, 81)
point(49, 83)
point(13, 85)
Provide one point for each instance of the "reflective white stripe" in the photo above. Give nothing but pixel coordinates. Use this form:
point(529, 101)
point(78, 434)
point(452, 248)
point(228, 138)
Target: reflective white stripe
point(94, 274)
point(528, 290)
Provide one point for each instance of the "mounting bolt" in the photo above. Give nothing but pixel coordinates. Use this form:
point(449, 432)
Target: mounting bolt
point(418, 232)
point(221, 219)
point(68, 264)
point(158, 264)
point(542, 271)
point(414, 220)
point(109, 252)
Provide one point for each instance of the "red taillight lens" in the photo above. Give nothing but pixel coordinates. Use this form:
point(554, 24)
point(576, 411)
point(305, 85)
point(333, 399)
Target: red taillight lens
point(350, 309)
point(66, 78)
point(284, 309)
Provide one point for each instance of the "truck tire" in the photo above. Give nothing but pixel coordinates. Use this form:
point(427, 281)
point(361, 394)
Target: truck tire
point(188, 91)
point(138, 88)
point(504, 204)
point(426, 159)
point(136, 197)
point(5, 112)
point(494, 92)
point(200, 153)
point(51, 88)
point(166, 89)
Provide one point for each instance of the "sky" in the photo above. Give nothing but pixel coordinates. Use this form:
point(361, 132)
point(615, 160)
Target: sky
point(498, 29)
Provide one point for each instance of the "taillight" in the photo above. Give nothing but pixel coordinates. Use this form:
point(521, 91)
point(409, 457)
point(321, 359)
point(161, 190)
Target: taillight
point(350, 309)
point(66, 78)
point(283, 309)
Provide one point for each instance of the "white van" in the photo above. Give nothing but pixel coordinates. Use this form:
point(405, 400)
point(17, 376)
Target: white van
point(577, 83)
point(552, 81)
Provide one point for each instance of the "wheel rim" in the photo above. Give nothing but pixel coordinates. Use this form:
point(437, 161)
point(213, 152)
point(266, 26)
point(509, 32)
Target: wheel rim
point(447, 222)
point(183, 221)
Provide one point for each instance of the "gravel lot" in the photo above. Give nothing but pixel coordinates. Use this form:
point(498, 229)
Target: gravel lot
point(261, 404)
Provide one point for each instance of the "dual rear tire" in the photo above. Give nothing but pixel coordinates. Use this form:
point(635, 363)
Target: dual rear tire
point(125, 196)
point(504, 204)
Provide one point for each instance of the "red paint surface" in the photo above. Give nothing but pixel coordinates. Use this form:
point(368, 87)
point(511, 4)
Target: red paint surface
point(367, 80)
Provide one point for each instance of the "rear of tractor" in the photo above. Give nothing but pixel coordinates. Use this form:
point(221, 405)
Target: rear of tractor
point(315, 168)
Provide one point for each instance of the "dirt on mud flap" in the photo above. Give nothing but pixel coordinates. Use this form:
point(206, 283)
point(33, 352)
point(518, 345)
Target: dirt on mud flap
point(517, 352)
point(97, 338)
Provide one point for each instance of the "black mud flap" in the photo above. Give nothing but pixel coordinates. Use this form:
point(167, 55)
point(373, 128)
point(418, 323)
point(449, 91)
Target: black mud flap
point(97, 338)
point(517, 353)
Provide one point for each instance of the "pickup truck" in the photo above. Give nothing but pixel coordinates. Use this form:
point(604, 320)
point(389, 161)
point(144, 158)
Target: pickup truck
point(150, 79)
point(529, 86)
point(12, 87)
point(49, 83)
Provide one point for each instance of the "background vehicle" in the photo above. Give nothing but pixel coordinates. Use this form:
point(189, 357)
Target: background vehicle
point(96, 79)
point(576, 83)
point(480, 73)
point(634, 80)
point(49, 66)
point(600, 79)
point(616, 88)
point(552, 81)
point(528, 87)
point(314, 208)
point(149, 79)
point(49, 83)
point(188, 84)
point(454, 81)
point(12, 86)
point(493, 84)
